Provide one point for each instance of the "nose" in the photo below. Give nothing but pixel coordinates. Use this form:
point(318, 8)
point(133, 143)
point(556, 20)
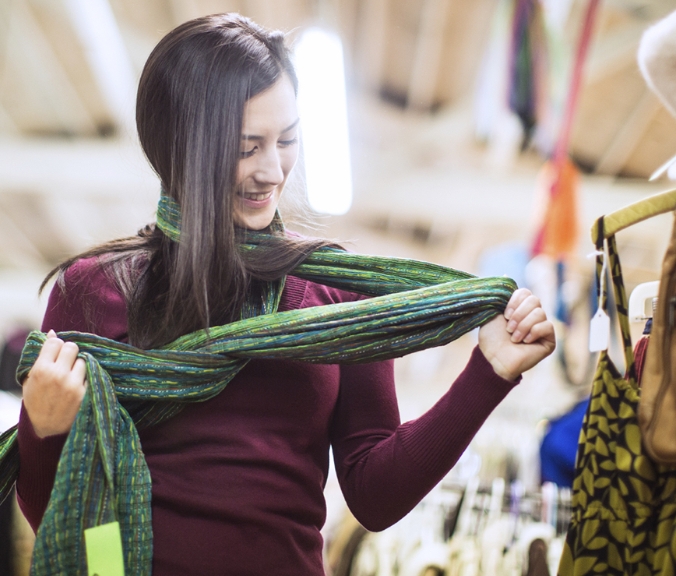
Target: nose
point(269, 170)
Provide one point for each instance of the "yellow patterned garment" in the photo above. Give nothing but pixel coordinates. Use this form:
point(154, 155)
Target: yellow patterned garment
point(624, 504)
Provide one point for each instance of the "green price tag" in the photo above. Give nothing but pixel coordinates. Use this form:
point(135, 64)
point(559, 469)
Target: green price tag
point(104, 550)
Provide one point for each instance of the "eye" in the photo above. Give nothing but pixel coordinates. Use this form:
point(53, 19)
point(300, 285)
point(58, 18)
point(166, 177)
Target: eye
point(285, 143)
point(248, 153)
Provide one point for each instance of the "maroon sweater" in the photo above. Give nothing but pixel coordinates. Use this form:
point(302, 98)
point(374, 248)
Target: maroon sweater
point(238, 480)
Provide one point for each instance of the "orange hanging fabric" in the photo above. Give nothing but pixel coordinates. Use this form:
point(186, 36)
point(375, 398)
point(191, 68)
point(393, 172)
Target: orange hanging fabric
point(558, 231)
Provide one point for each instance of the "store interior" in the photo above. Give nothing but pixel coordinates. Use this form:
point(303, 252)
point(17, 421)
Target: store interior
point(456, 118)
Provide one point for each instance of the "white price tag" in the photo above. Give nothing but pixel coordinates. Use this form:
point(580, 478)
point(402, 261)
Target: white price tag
point(599, 331)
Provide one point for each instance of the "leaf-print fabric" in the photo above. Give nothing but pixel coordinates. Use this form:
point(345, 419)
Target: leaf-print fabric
point(624, 504)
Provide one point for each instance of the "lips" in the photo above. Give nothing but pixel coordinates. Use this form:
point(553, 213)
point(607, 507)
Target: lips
point(256, 196)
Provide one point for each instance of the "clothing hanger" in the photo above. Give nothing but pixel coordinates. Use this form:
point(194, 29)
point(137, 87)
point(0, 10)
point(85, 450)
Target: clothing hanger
point(635, 213)
point(639, 297)
point(609, 225)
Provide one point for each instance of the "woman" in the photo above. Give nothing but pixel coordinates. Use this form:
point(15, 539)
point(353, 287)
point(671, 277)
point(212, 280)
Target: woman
point(237, 480)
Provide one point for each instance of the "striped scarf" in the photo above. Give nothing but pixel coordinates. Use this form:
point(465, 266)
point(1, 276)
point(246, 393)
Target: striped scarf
point(102, 475)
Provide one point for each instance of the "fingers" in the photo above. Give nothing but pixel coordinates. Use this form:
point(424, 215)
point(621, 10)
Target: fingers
point(55, 386)
point(50, 349)
point(67, 356)
point(522, 329)
point(527, 320)
point(516, 300)
point(58, 353)
point(542, 332)
point(525, 303)
point(517, 341)
point(78, 375)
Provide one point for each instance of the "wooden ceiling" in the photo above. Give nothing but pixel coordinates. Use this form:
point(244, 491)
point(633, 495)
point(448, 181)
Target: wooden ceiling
point(68, 70)
point(419, 55)
point(621, 126)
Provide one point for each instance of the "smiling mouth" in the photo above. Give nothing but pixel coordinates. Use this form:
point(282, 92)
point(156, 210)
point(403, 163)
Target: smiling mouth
point(256, 196)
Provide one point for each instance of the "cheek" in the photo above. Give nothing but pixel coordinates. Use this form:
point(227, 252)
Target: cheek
point(242, 171)
point(289, 159)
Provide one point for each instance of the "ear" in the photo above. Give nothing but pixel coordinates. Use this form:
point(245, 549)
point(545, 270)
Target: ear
point(657, 60)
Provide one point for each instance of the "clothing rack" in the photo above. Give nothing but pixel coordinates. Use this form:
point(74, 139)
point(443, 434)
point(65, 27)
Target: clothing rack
point(472, 529)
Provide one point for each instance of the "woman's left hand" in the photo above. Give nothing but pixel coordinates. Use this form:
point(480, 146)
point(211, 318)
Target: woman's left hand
point(517, 340)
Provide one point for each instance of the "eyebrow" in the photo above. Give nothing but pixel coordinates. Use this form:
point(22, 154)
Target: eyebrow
point(254, 137)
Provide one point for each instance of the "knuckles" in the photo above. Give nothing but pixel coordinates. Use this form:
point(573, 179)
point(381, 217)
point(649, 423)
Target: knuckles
point(533, 301)
point(71, 346)
point(42, 374)
point(539, 314)
point(48, 372)
point(53, 343)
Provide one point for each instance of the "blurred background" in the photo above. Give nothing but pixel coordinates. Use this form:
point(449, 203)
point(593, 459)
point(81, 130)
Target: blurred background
point(460, 123)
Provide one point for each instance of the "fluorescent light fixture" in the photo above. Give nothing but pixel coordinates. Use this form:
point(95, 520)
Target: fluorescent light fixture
point(323, 111)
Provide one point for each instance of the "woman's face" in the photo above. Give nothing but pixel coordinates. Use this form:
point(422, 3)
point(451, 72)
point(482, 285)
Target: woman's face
point(268, 153)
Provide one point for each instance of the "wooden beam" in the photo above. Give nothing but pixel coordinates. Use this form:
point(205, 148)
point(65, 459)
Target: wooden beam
point(16, 246)
point(629, 135)
point(466, 38)
point(430, 41)
point(262, 12)
point(184, 10)
point(613, 52)
point(55, 23)
point(89, 168)
point(30, 214)
point(36, 90)
point(348, 20)
point(371, 43)
point(144, 22)
point(95, 27)
point(6, 9)
point(7, 125)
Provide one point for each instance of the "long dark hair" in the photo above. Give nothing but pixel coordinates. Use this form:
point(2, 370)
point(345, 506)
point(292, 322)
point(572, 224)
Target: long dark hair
point(189, 114)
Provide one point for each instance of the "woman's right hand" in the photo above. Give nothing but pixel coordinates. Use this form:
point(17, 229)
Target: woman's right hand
point(54, 387)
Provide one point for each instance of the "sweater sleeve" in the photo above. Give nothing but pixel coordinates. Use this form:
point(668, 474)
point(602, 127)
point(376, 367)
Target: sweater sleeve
point(384, 467)
point(87, 302)
point(39, 458)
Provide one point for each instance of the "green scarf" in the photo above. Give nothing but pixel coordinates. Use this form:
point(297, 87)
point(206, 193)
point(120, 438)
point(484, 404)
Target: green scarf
point(102, 475)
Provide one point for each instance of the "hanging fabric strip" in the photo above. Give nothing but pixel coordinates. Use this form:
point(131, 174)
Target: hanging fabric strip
point(563, 141)
point(527, 64)
point(102, 475)
point(558, 231)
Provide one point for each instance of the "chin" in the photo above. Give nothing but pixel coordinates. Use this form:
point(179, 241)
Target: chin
point(254, 222)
